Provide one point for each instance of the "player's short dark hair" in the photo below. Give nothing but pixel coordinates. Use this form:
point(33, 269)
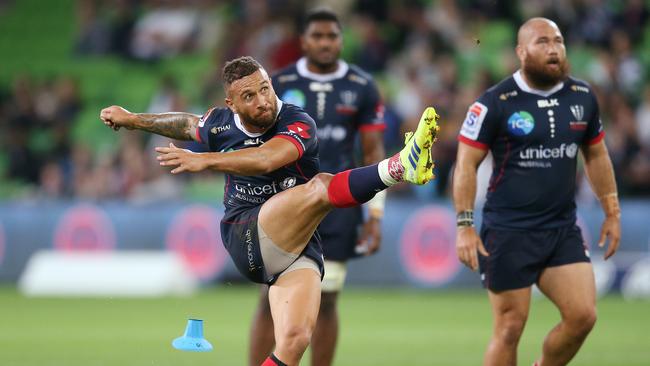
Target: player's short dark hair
point(239, 68)
point(318, 15)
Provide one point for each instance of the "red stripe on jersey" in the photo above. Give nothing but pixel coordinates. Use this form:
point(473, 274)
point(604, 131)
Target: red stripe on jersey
point(373, 127)
point(473, 143)
point(597, 139)
point(198, 135)
point(294, 142)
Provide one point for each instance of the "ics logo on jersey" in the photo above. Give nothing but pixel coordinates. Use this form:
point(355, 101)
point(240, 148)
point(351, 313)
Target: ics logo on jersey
point(521, 123)
point(295, 97)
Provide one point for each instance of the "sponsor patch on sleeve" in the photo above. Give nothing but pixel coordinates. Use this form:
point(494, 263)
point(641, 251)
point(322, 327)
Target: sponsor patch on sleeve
point(474, 120)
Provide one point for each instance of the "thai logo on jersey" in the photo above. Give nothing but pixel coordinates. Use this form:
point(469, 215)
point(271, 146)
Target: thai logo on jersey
point(219, 129)
point(521, 123)
point(510, 94)
point(473, 121)
point(578, 112)
point(579, 88)
point(295, 97)
point(299, 128)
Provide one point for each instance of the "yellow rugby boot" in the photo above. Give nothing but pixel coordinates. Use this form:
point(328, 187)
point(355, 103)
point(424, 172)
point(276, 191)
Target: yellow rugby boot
point(416, 154)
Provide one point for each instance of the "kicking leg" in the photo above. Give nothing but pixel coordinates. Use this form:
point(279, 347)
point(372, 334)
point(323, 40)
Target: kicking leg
point(572, 289)
point(261, 340)
point(291, 217)
point(510, 311)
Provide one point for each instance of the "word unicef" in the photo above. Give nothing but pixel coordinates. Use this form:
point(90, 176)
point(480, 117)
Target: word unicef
point(542, 152)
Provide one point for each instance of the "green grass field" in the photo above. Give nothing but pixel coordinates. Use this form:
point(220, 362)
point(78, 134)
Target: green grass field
point(379, 327)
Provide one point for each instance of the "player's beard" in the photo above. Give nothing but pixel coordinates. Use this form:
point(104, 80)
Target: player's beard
point(542, 75)
point(263, 121)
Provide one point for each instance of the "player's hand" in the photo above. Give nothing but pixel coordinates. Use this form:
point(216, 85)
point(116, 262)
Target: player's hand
point(370, 239)
point(181, 160)
point(468, 244)
point(611, 229)
point(116, 117)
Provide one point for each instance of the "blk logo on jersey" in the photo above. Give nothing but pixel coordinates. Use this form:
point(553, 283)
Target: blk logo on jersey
point(548, 103)
point(521, 123)
point(299, 128)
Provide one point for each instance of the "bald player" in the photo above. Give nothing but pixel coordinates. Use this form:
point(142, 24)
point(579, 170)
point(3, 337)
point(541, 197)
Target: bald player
point(534, 123)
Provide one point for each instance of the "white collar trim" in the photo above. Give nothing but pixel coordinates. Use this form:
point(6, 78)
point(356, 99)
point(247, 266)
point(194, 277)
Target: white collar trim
point(243, 129)
point(521, 83)
point(341, 69)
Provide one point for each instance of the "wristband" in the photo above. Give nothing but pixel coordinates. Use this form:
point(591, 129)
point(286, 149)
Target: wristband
point(465, 218)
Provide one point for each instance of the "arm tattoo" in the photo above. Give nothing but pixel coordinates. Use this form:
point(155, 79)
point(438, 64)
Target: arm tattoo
point(176, 125)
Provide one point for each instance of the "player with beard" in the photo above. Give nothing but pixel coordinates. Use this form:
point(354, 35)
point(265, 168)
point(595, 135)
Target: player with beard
point(346, 106)
point(534, 123)
point(274, 196)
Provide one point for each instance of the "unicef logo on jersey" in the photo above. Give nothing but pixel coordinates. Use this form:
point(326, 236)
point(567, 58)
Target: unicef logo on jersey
point(295, 97)
point(521, 123)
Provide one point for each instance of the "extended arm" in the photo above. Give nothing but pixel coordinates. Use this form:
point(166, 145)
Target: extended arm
point(464, 187)
point(175, 125)
point(598, 167)
point(264, 159)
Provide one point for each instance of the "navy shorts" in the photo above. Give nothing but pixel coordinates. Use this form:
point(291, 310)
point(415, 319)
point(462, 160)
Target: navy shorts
point(240, 237)
point(517, 258)
point(339, 232)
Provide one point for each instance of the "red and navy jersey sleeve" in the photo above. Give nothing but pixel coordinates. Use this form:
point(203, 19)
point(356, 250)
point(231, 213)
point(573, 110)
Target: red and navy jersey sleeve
point(595, 132)
point(481, 123)
point(371, 112)
point(210, 124)
point(297, 127)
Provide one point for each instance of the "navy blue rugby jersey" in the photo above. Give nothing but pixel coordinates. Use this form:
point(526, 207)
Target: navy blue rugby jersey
point(222, 131)
point(342, 103)
point(534, 137)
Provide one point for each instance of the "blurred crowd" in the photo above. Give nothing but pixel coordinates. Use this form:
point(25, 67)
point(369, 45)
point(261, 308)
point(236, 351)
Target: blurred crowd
point(443, 53)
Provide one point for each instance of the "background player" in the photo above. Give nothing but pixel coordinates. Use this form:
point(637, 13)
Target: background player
point(534, 122)
point(345, 103)
point(274, 197)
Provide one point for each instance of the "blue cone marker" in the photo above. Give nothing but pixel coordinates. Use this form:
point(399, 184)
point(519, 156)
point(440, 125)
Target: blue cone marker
point(193, 340)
